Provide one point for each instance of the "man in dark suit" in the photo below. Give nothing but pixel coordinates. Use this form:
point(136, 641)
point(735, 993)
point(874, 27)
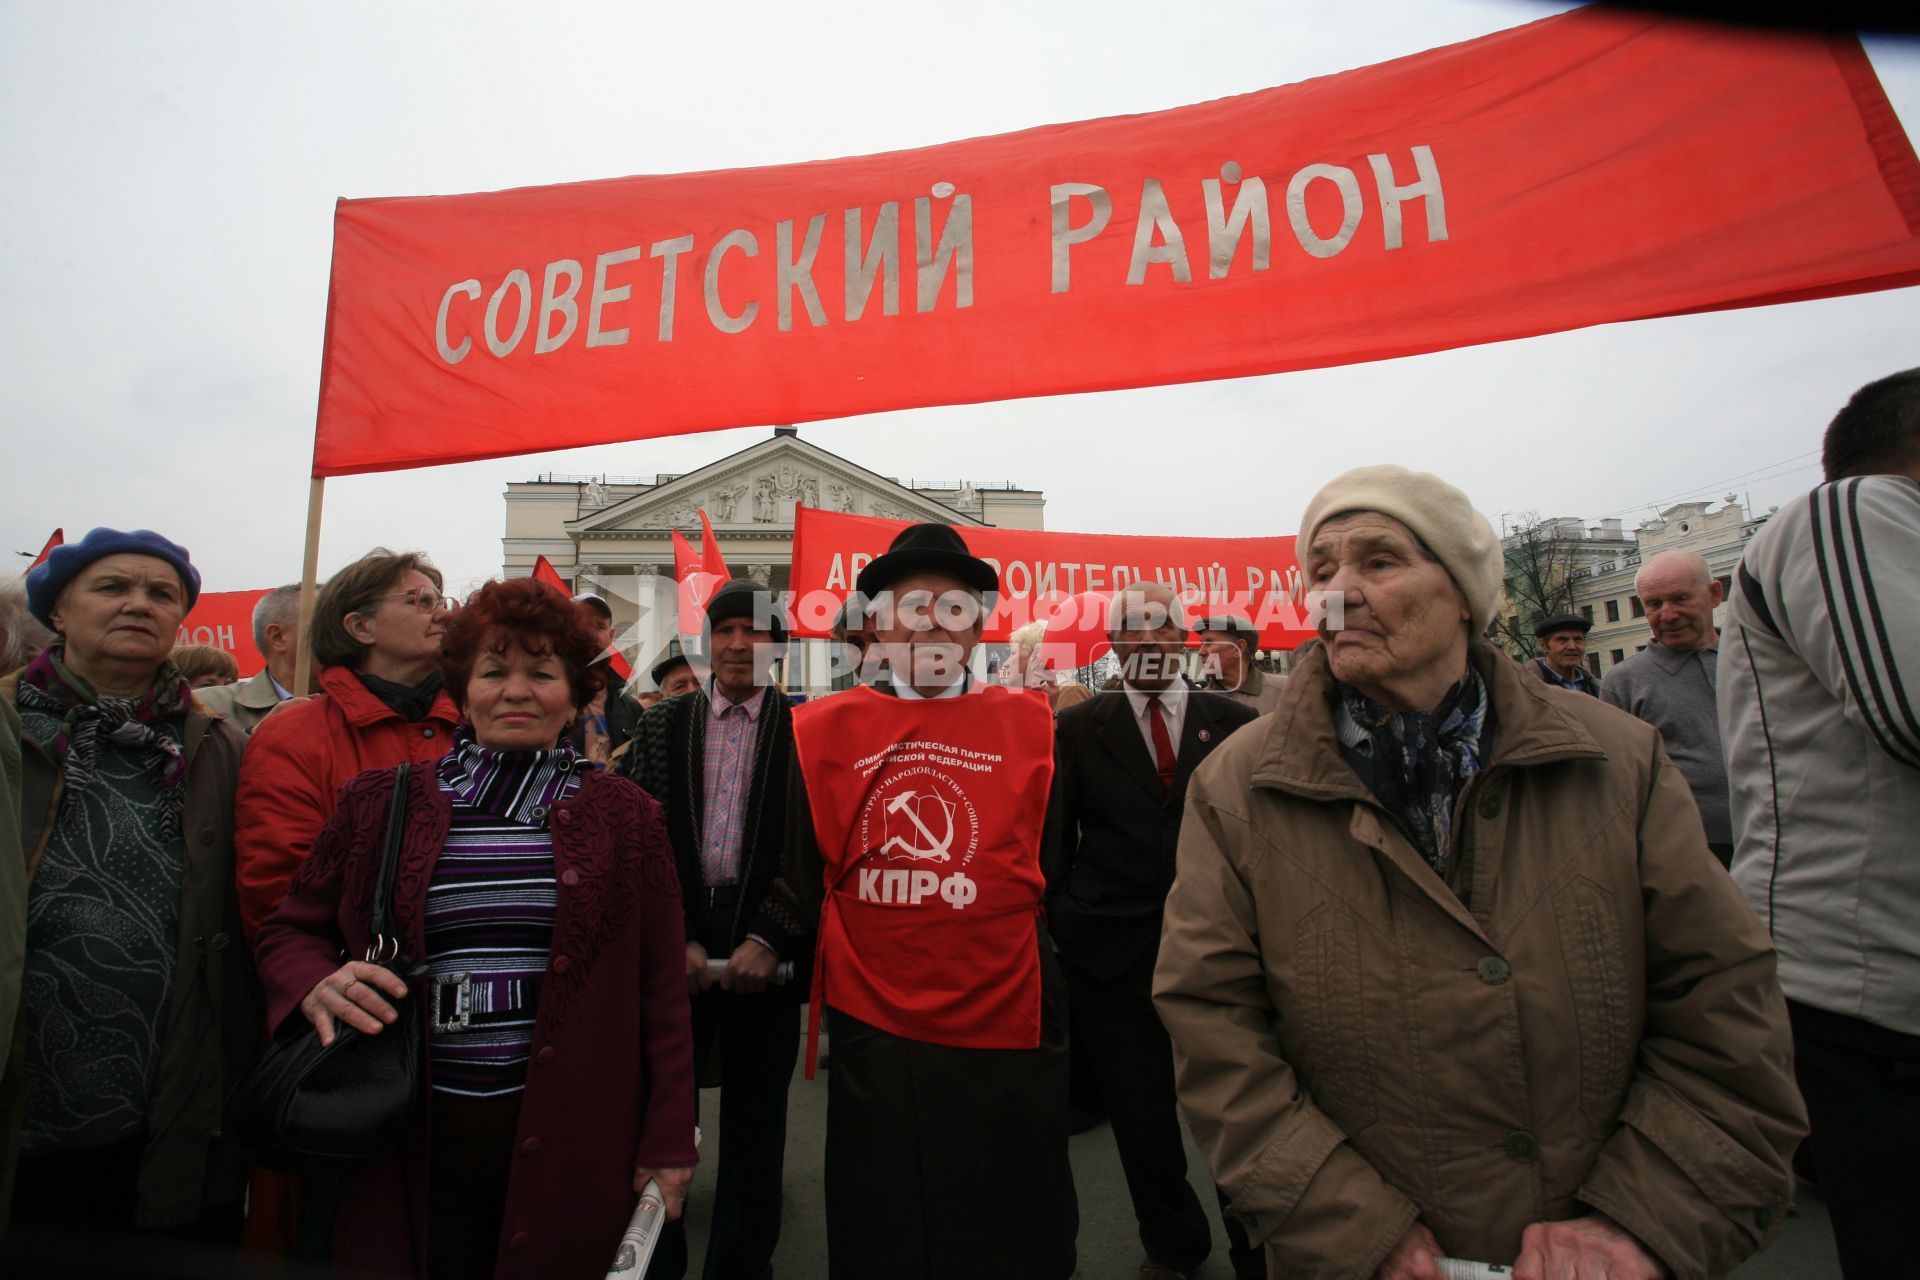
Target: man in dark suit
point(1120, 783)
point(716, 759)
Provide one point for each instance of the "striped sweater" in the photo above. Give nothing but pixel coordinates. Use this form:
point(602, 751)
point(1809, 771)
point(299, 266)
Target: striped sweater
point(490, 909)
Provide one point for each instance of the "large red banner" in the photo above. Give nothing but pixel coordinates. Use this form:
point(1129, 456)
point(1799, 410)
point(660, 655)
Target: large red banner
point(1592, 167)
point(1256, 578)
point(224, 619)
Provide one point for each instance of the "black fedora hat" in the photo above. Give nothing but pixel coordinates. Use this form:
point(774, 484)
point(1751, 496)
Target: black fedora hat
point(1562, 622)
point(672, 656)
point(927, 548)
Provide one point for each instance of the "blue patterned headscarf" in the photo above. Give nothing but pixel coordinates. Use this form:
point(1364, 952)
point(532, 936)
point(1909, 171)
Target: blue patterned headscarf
point(1420, 759)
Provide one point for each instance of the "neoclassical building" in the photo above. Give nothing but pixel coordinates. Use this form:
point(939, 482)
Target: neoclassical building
point(614, 535)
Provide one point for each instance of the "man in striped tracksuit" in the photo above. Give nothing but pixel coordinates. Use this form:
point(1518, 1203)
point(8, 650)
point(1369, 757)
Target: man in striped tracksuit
point(1820, 716)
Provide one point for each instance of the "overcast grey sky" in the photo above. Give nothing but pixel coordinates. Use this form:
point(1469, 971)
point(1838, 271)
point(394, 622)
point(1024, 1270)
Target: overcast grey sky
point(168, 173)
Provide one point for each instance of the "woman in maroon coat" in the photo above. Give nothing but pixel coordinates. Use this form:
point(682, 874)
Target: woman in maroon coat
point(539, 895)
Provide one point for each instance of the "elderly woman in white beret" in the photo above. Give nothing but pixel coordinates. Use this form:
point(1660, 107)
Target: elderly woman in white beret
point(1448, 967)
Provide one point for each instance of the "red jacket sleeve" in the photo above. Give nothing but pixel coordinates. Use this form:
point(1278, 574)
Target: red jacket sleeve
point(286, 794)
point(300, 942)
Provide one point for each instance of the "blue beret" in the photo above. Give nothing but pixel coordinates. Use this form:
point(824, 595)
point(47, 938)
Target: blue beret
point(48, 580)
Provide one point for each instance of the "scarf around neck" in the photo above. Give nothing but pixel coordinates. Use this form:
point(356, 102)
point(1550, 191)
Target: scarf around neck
point(49, 686)
point(411, 702)
point(1420, 759)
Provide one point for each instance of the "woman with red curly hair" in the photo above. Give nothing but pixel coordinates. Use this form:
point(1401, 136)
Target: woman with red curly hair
point(538, 897)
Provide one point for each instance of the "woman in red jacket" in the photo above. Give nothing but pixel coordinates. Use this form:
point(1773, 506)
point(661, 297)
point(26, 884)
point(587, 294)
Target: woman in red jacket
point(376, 635)
point(540, 896)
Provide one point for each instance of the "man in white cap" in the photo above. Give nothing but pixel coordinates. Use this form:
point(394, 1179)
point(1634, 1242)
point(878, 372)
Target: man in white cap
point(1448, 967)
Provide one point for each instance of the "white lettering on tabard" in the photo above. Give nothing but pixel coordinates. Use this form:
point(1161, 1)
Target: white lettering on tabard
point(793, 274)
point(561, 303)
point(1349, 188)
point(453, 355)
point(1066, 235)
point(717, 312)
point(1156, 219)
point(603, 296)
point(519, 280)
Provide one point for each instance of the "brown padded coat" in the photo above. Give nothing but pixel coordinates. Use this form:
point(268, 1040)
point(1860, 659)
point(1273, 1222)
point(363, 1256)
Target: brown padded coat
point(1588, 1019)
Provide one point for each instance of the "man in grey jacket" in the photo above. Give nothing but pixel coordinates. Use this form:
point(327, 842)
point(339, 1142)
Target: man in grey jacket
point(1670, 684)
point(1818, 712)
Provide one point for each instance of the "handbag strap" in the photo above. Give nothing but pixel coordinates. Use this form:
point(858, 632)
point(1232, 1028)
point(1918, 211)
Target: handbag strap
point(380, 945)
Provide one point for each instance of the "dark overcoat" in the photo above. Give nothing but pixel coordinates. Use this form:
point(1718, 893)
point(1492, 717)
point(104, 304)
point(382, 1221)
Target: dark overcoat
point(610, 1085)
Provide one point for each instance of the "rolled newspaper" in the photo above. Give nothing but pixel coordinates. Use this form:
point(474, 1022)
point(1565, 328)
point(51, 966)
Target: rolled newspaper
point(1460, 1269)
point(642, 1234)
point(782, 972)
point(643, 1230)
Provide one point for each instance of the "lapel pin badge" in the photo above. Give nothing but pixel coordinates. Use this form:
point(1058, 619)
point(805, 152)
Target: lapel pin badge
point(1206, 735)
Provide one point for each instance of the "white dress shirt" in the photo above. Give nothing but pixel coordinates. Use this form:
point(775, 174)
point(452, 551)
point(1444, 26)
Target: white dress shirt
point(1173, 709)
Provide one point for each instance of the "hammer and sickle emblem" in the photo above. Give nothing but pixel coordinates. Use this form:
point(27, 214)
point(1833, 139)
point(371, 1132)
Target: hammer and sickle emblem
point(937, 848)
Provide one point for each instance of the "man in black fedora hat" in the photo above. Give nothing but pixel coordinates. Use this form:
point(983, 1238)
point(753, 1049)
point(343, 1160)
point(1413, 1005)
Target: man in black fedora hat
point(1563, 651)
point(917, 821)
point(673, 672)
point(716, 759)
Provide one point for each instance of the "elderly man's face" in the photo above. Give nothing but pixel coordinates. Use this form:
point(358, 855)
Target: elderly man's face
point(1403, 618)
point(927, 628)
point(1566, 650)
point(1221, 650)
point(1680, 602)
point(1148, 638)
point(682, 679)
point(736, 647)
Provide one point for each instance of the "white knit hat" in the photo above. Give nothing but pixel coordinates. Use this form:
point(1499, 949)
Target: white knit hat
point(1438, 513)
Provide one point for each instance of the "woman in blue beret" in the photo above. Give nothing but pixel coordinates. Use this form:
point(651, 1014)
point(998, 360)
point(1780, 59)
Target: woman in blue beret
point(137, 1005)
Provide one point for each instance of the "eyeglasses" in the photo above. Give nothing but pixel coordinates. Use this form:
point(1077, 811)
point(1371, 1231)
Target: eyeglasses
point(425, 601)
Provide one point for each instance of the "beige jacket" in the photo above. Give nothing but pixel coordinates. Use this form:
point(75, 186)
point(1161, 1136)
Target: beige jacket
point(244, 705)
point(1587, 1019)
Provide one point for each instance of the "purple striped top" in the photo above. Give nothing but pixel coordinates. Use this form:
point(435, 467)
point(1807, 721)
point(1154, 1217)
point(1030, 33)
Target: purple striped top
point(490, 909)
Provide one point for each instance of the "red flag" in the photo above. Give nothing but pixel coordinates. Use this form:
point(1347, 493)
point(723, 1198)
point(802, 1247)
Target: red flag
point(1592, 167)
point(710, 558)
point(697, 585)
point(59, 537)
point(543, 571)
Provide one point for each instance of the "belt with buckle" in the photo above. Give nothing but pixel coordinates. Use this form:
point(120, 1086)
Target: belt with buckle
point(455, 1000)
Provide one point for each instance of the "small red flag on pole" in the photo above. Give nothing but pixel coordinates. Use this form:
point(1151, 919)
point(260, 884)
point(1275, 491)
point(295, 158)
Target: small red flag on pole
point(59, 537)
point(710, 558)
point(543, 571)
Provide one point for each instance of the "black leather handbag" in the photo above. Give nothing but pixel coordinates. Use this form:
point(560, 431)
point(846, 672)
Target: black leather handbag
point(307, 1106)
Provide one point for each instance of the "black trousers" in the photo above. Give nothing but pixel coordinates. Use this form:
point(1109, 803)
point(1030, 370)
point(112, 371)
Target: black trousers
point(1862, 1087)
point(758, 1038)
point(1130, 1058)
point(467, 1182)
point(76, 1208)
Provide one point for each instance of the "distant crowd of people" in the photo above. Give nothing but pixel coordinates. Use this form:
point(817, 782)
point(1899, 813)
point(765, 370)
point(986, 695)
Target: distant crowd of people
point(1439, 954)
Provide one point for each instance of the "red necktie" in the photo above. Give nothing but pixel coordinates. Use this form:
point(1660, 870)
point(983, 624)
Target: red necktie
point(1162, 742)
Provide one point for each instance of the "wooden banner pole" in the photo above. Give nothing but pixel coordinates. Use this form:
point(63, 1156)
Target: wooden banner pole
point(309, 573)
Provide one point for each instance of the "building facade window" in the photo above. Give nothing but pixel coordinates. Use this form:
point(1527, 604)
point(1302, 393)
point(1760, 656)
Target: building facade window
point(1613, 611)
point(1619, 657)
point(1593, 663)
point(1586, 611)
point(1639, 610)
